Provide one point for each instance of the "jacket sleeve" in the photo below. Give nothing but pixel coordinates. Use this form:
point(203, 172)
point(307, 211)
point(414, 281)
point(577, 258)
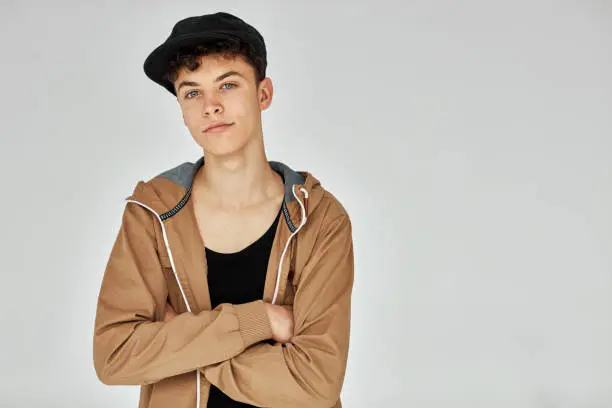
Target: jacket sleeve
point(132, 345)
point(309, 370)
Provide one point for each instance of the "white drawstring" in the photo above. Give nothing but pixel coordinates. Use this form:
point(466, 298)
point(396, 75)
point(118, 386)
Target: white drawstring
point(303, 221)
point(278, 275)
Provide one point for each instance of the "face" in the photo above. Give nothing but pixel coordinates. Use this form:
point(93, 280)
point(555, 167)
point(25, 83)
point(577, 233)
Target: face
point(222, 91)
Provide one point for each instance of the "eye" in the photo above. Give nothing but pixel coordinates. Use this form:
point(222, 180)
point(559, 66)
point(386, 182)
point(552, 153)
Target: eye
point(229, 83)
point(189, 93)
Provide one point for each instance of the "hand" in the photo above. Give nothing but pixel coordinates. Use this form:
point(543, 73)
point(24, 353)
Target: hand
point(169, 313)
point(281, 321)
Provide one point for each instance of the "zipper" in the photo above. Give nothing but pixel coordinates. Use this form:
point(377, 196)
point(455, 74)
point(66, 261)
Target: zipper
point(167, 244)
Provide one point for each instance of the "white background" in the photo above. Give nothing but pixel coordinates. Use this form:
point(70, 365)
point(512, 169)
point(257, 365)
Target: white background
point(470, 142)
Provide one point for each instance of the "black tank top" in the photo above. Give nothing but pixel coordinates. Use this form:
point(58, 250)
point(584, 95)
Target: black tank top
point(238, 278)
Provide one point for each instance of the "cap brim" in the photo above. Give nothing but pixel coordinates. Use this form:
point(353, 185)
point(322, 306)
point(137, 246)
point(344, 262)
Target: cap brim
point(156, 63)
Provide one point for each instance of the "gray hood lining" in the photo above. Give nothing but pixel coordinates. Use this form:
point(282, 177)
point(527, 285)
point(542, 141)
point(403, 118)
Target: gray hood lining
point(184, 173)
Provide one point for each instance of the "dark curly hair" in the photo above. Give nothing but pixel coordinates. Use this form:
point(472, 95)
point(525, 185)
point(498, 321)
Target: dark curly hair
point(188, 57)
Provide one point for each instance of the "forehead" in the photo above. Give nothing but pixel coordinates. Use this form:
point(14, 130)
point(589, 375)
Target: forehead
point(212, 66)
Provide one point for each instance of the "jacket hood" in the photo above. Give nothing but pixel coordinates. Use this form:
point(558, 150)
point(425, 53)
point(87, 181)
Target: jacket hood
point(167, 192)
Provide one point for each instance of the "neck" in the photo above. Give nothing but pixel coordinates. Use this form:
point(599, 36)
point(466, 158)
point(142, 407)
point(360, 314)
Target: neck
point(240, 180)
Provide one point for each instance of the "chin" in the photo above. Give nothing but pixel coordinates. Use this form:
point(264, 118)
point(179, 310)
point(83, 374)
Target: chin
point(222, 147)
point(222, 144)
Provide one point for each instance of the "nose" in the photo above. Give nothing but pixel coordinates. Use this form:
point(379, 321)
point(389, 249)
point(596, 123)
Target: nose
point(212, 106)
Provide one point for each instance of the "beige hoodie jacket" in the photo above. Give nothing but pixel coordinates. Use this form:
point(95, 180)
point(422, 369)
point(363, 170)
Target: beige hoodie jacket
point(159, 257)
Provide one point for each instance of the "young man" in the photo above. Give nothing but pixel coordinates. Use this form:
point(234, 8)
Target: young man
point(230, 280)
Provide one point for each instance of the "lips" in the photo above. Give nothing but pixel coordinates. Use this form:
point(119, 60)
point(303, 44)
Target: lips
point(217, 126)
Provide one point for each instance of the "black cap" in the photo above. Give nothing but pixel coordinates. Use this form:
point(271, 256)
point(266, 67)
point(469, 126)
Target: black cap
point(192, 31)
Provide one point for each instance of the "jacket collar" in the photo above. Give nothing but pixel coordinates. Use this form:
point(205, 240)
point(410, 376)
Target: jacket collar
point(183, 175)
point(169, 191)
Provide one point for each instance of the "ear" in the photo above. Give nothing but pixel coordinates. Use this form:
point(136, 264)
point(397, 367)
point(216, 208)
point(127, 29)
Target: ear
point(265, 93)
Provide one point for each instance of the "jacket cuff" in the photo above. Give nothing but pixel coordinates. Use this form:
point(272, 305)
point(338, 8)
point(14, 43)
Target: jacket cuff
point(254, 325)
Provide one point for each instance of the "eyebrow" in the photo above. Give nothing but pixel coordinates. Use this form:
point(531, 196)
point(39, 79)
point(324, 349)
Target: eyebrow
point(219, 78)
